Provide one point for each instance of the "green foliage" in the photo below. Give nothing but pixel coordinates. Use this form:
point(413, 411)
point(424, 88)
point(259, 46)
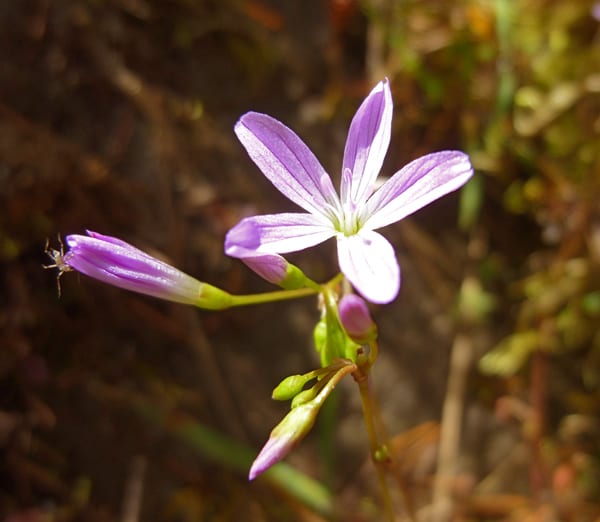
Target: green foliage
point(475, 304)
point(511, 354)
point(471, 202)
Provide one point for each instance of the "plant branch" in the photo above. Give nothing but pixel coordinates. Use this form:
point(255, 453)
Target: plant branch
point(378, 450)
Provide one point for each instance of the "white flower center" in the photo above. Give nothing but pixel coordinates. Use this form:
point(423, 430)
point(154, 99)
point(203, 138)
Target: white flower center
point(345, 216)
point(349, 223)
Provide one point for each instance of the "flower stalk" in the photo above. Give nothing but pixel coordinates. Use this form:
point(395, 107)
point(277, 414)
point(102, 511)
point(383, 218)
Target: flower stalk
point(270, 297)
point(377, 442)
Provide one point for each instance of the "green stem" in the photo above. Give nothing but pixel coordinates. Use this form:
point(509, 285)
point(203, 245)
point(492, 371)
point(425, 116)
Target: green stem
point(269, 297)
point(282, 295)
point(373, 353)
point(349, 367)
point(362, 379)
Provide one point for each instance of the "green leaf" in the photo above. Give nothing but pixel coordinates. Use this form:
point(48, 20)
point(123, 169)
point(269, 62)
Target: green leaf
point(222, 450)
point(475, 304)
point(471, 200)
point(511, 354)
point(590, 303)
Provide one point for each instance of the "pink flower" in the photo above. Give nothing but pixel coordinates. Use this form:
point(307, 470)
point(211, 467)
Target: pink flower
point(365, 257)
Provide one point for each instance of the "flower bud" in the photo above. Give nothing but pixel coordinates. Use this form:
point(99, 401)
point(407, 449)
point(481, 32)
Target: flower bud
point(240, 243)
point(356, 319)
point(120, 264)
point(284, 437)
point(275, 269)
point(291, 386)
point(298, 422)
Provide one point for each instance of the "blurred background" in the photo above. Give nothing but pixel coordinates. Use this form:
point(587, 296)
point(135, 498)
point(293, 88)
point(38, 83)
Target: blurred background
point(117, 116)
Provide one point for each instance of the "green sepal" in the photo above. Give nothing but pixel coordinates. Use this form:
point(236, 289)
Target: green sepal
point(212, 298)
point(294, 279)
point(304, 396)
point(350, 349)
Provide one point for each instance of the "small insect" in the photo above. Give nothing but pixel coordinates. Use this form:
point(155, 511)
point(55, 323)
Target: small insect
point(58, 256)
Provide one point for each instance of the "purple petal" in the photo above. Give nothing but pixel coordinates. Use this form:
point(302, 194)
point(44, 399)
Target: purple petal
point(113, 240)
point(355, 317)
point(367, 143)
point(118, 263)
point(277, 234)
point(287, 162)
point(369, 262)
point(417, 184)
point(271, 267)
point(275, 449)
point(286, 435)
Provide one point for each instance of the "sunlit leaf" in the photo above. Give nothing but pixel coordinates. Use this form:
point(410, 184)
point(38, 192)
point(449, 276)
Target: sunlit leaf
point(511, 354)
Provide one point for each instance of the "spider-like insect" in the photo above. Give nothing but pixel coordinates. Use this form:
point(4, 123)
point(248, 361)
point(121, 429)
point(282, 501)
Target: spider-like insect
point(58, 256)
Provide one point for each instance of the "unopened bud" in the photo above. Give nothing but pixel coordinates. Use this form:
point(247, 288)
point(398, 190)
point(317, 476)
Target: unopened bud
point(356, 319)
point(240, 243)
point(276, 269)
point(284, 437)
point(118, 263)
point(291, 386)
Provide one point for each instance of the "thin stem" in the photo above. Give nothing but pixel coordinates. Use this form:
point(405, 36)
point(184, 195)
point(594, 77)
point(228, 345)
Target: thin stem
point(362, 379)
point(538, 399)
point(282, 295)
point(373, 353)
point(350, 367)
point(269, 297)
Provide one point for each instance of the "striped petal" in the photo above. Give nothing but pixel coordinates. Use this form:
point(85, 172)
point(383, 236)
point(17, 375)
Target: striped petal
point(417, 184)
point(287, 162)
point(120, 264)
point(277, 234)
point(366, 145)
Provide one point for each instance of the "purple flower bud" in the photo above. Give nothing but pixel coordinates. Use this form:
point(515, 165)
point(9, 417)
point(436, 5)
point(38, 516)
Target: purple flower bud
point(356, 319)
point(271, 267)
point(285, 436)
point(118, 263)
point(299, 421)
